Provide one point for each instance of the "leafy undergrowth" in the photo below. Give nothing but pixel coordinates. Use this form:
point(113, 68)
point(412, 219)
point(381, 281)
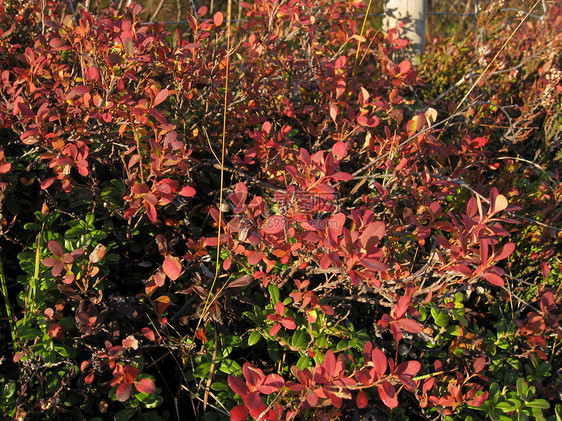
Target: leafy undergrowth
point(214, 224)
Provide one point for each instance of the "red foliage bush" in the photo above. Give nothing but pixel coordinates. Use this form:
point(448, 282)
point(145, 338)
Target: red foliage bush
point(359, 234)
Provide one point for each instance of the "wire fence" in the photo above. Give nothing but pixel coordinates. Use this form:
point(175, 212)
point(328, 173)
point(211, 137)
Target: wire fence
point(473, 10)
point(477, 11)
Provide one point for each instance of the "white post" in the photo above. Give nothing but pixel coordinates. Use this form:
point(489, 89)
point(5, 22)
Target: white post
point(408, 16)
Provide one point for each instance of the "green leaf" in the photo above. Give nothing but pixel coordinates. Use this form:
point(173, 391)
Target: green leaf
point(274, 351)
point(32, 226)
point(522, 386)
point(254, 338)
point(453, 330)
point(539, 403)
point(300, 339)
point(219, 386)
point(26, 333)
point(342, 344)
point(151, 416)
point(274, 293)
point(558, 412)
point(505, 406)
point(90, 218)
point(516, 403)
point(303, 362)
point(494, 392)
point(202, 370)
point(423, 312)
point(61, 350)
point(152, 400)
point(441, 319)
point(125, 414)
point(230, 367)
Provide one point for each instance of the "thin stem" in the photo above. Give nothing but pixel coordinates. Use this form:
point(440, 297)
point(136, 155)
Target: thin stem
point(361, 37)
point(32, 292)
point(9, 311)
point(208, 301)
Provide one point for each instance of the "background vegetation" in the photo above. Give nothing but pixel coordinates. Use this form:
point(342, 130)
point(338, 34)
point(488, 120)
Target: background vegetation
point(279, 218)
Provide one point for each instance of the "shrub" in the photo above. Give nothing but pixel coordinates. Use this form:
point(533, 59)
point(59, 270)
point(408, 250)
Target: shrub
point(246, 221)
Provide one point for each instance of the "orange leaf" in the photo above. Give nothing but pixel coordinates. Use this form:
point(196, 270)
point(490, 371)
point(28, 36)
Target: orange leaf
point(172, 267)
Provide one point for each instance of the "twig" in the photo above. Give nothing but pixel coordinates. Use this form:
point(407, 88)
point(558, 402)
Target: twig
point(485, 200)
point(157, 10)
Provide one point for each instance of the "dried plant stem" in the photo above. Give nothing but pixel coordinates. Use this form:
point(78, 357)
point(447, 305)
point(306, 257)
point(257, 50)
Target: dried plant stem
point(157, 11)
point(484, 73)
point(208, 301)
point(361, 37)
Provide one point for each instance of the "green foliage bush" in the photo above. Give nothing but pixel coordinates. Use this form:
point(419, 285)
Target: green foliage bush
point(230, 222)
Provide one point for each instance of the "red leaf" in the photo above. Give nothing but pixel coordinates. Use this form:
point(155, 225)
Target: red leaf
point(462, 269)
point(409, 325)
point(55, 331)
point(312, 399)
point(172, 267)
point(275, 329)
point(330, 363)
point(45, 184)
point(124, 392)
point(342, 176)
point(253, 375)
point(479, 400)
point(408, 368)
point(253, 401)
point(218, 19)
point(363, 96)
point(339, 150)
point(289, 324)
point(479, 364)
point(187, 191)
point(161, 97)
point(493, 279)
point(5, 167)
point(387, 394)
point(55, 248)
point(295, 387)
point(333, 112)
point(145, 386)
point(280, 309)
point(56, 264)
point(239, 413)
point(401, 307)
point(273, 225)
point(362, 400)
point(255, 257)
point(92, 73)
point(505, 251)
point(373, 264)
point(151, 212)
point(266, 127)
point(548, 303)
point(380, 362)
point(271, 384)
point(428, 384)
point(149, 334)
point(78, 91)
point(238, 386)
point(241, 282)
point(372, 234)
